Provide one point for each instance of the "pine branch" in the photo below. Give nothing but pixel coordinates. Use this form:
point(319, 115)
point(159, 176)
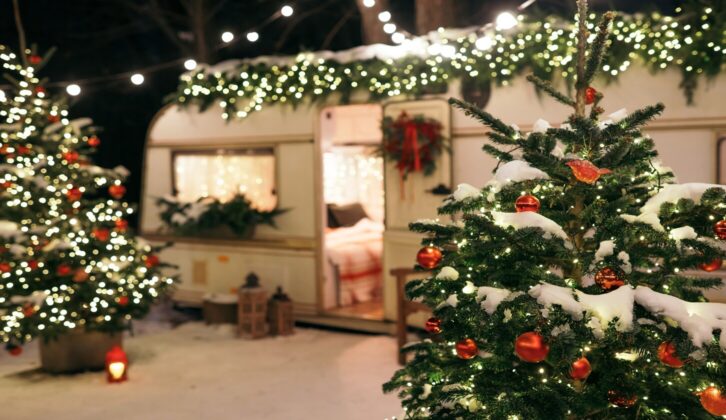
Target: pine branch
point(598, 49)
point(550, 89)
point(484, 117)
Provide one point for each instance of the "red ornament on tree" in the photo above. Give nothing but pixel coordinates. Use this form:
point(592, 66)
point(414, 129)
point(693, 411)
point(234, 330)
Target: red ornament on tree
point(5, 267)
point(580, 369)
point(63, 270)
point(117, 191)
point(590, 95)
point(526, 203)
point(101, 234)
point(94, 141)
point(668, 356)
point(39, 89)
point(711, 266)
point(121, 225)
point(123, 300)
point(13, 349)
point(5, 185)
point(151, 261)
point(531, 347)
point(28, 310)
point(35, 59)
point(33, 264)
point(433, 325)
point(53, 118)
point(80, 276)
point(22, 150)
point(586, 172)
point(466, 349)
point(74, 194)
point(713, 402)
point(622, 400)
point(608, 279)
point(719, 228)
point(429, 257)
point(70, 157)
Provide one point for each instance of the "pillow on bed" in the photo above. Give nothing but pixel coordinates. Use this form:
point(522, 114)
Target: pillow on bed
point(345, 216)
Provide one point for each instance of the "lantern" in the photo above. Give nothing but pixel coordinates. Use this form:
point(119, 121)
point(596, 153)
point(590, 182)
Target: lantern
point(252, 309)
point(281, 319)
point(116, 365)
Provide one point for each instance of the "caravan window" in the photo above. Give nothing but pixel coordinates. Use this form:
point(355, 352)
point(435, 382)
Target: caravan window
point(225, 173)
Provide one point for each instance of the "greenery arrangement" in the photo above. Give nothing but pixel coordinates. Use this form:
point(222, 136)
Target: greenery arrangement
point(565, 288)
point(207, 214)
point(412, 143)
point(692, 41)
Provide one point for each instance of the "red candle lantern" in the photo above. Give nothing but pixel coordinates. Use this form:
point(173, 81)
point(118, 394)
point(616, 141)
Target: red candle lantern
point(116, 365)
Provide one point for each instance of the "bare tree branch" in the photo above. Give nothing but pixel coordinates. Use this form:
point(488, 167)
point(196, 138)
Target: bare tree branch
point(21, 33)
point(336, 28)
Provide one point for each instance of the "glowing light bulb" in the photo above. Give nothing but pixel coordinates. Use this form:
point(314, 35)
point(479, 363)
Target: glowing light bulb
point(389, 28)
point(484, 43)
point(287, 10)
point(253, 36)
point(190, 64)
point(369, 3)
point(73, 89)
point(398, 38)
point(116, 369)
point(384, 16)
point(506, 20)
point(227, 37)
point(137, 79)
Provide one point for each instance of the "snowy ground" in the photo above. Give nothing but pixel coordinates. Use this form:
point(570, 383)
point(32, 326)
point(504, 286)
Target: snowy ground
point(198, 372)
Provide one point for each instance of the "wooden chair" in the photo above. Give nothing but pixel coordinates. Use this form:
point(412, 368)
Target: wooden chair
point(404, 307)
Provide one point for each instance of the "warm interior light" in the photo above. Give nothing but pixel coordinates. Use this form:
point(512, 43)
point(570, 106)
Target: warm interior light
point(117, 369)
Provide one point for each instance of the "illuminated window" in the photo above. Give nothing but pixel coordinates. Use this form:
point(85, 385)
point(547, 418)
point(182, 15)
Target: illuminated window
point(222, 174)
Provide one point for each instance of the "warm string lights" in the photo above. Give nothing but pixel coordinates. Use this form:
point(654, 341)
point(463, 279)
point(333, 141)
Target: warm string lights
point(423, 65)
point(66, 260)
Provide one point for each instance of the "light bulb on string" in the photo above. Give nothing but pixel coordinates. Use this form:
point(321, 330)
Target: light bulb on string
point(384, 16)
point(484, 43)
point(227, 37)
point(253, 36)
point(73, 89)
point(389, 28)
point(398, 38)
point(137, 79)
point(369, 3)
point(506, 20)
point(287, 10)
point(190, 64)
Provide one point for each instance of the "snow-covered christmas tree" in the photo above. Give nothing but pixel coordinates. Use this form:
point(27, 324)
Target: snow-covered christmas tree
point(563, 290)
point(67, 258)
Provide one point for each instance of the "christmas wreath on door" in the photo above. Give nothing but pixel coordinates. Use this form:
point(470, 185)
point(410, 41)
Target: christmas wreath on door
point(413, 143)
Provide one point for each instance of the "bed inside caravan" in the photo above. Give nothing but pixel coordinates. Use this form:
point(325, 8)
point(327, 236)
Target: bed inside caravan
point(354, 209)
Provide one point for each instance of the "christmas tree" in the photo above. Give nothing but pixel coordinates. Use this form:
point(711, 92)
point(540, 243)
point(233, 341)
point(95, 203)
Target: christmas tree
point(67, 259)
point(562, 289)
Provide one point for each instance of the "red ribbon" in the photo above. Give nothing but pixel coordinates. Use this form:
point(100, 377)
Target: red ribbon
point(410, 152)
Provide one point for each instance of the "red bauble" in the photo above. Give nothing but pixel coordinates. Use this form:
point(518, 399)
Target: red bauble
point(22, 150)
point(14, 350)
point(123, 300)
point(70, 157)
point(526, 203)
point(74, 194)
point(5, 267)
point(580, 369)
point(713, 402)
point(53, 118)
point(94, 141)
point(433, 325)
point(151, 261)
point(668, 356)
point(466, 349)
point(608, 279)
point(622, 400)
point(33, 264)
point(101, 234)
point(63, 270)
point(121, 225)
point(5, 185)
point(711, 266)
point(80, 275)
point(28, 310)
point(429, 257)
point(719, 228)
point(39, 89)
point(531, 347)
point(35, 59)
point(590, 95)
point(586, 172)
point(117, 191)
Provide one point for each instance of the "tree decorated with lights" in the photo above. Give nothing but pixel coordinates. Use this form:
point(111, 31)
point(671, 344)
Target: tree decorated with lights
point(563, 289)
point(67, 259)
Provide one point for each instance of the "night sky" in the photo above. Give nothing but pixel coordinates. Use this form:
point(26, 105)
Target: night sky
point(100, 38)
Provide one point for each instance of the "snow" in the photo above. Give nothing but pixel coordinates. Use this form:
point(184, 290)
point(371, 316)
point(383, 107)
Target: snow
point(671, 193)
point(698, 319)
point(540, 126)
point(605, 249)
point(491, 297)
point(681, 233)
point(530, 219)
point(452, 300)
point(618, 115)
point(221, 298)
point(515, 171)
point(200, 372)
point(624, 257)
point(9, 229)
point(427, 222)
point(465, 192)
point(646, 218)
point(448, 273)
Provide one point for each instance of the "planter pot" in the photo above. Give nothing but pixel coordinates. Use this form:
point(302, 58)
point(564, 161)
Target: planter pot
point(77, 351)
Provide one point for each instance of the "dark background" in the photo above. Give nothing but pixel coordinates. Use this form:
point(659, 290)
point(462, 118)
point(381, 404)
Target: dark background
point(97, 39)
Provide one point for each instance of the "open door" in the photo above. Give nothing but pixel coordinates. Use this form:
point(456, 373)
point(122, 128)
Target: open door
point(417, 200)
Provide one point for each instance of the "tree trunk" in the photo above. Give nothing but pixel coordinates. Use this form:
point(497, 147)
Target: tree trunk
point(198, 21)
point(371, 26)
point(434, 14)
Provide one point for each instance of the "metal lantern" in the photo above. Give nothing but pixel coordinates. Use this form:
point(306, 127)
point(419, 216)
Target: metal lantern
point(252, 309)
point(280, 314)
